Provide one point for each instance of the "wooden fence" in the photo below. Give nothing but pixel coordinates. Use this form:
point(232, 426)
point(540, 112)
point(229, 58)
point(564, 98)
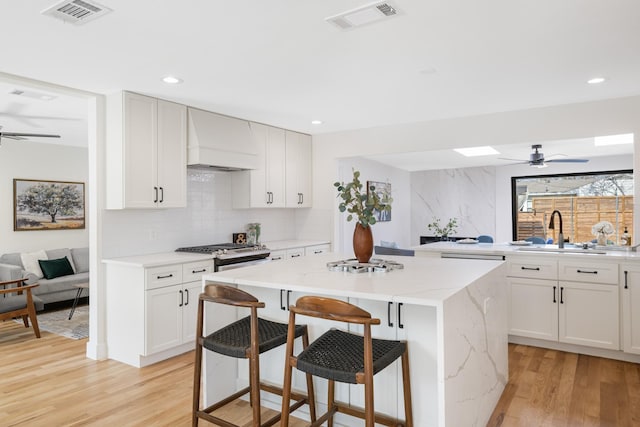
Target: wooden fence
point(579, 214)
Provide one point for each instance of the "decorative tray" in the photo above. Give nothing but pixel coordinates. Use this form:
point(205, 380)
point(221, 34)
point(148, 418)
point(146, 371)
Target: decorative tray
point(520, 243)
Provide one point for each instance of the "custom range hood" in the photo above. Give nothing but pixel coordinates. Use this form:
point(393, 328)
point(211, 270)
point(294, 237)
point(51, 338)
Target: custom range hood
point(219, 142)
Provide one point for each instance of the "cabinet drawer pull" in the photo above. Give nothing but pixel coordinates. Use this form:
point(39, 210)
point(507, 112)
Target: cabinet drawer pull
point(530, 268)
point(164, 277)
point(198, 271)
point(317, 252)
point(295, 255)
point(186, 292)
point(561, 296)
point(587, 271)
point(161, 194)
point(389, 322)
point(276, 258)
point(554, 294)
point(282, 307)
point(156, 191)
point(626, 284)
point(181, 299)
point(400, 325)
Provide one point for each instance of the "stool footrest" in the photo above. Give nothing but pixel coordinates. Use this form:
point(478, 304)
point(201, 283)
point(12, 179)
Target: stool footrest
point(357, 412)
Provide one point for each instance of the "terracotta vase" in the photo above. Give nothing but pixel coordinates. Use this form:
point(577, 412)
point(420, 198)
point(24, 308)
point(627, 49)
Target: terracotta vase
point(362, 243)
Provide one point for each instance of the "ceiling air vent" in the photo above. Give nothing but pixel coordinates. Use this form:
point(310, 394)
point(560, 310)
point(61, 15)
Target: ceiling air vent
point(76, 11)
point(363, 15)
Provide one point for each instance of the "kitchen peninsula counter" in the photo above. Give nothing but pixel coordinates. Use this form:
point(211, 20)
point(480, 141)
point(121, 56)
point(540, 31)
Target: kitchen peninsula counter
point(452, 313)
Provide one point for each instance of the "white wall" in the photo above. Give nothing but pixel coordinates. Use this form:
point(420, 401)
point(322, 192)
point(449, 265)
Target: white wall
point(42, 161)
point(608, 117)
point(208, 218)
point(395, 230)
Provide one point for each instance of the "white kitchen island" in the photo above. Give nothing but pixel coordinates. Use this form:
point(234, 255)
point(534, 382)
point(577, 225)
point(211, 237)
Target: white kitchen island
point(452, 313)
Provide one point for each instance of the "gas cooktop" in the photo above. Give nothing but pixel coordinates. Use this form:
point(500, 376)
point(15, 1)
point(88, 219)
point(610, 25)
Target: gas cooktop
point(227, 250)
point(375, 265)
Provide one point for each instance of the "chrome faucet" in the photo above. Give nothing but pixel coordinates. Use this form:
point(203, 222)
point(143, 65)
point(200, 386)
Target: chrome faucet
point(552, 227)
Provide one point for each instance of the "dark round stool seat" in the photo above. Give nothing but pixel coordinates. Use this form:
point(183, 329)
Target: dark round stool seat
point(234, 340)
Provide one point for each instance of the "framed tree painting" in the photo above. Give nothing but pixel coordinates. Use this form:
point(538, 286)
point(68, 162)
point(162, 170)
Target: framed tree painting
point(48, 205)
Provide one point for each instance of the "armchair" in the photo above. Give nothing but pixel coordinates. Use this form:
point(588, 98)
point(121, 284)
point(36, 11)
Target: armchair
point(23, 304)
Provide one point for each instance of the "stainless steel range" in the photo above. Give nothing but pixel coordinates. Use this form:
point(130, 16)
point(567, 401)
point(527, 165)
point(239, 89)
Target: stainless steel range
point(231, 255)
point(375, 265)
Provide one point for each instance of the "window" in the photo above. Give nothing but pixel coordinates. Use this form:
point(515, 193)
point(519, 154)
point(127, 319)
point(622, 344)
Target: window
point(583, 200)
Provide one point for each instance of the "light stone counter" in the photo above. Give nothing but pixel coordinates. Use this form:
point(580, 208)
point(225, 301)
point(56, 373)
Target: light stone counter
point(158, 259)
point(276, 245)
point(454, 318)
point(507, 249)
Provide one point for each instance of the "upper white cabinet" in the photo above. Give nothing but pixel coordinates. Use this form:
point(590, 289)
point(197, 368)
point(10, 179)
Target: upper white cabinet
point(298, 170)
point(283, 176)
point(146, 152)
point(263, 187)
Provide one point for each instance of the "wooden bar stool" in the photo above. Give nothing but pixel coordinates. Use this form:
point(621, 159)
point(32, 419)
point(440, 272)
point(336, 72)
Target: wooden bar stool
point(245, 338)
point(344, 357)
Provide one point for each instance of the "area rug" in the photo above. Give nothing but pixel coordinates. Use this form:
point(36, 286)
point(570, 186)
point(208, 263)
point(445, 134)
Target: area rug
point(57, 322)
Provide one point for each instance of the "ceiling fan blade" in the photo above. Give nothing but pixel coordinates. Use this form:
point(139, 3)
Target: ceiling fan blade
point(513, 160)
point(27, 135)
point(17, 138)
point(567, 160)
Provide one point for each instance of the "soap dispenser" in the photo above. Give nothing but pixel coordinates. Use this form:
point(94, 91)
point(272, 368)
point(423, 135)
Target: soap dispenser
point(625, 239)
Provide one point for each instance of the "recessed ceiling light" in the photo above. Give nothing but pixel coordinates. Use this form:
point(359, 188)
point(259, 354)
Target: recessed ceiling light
point(316, 122)
point(172, 80)
point(626, 138)
point(596, 80)
point(476, 151)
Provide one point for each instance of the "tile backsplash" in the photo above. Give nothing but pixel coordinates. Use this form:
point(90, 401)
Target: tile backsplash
point(208, 218)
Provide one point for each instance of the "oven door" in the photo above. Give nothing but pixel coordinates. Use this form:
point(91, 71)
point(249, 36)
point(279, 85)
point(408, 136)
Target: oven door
point(241, 264)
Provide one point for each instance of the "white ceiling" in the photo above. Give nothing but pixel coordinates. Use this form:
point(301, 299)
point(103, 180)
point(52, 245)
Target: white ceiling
point(280, 63)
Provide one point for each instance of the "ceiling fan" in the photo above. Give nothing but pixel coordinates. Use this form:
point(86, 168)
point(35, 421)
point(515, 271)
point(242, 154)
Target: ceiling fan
point(536, 159)
point(23, 136)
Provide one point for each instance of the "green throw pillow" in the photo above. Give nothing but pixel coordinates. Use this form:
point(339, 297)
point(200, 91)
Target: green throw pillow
point(53, 268)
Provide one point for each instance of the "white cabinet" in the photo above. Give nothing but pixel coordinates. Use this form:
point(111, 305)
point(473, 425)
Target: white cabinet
point(263, 187)
point(146, 152)
point(573, 301)
point(298, 170)
point(630, 305)
point(533, 308)
point(316, 249)
point(151, 312)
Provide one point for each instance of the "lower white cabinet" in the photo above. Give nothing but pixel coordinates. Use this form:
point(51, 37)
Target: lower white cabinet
point(295, 252)
point(317, 249)
point(152, 312)
point(533, 308)
point(630, 306)
point(581, 308)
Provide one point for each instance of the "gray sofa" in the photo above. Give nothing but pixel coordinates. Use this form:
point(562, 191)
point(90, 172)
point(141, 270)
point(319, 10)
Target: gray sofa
point(52, 290)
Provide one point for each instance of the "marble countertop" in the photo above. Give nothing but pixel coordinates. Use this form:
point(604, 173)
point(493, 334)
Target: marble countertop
point(422, 281)
point(535, 250)
point(277, 245)
point(158, 259)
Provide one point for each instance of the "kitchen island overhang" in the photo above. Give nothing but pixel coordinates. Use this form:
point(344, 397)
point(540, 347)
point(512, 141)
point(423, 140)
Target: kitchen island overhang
point(454, 319)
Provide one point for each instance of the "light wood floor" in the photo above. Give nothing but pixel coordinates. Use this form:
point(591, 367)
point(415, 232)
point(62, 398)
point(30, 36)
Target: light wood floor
point(49, 382)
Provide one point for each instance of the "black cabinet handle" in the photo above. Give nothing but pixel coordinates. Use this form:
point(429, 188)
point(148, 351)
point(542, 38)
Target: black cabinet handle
point(282, 307)
point(161, 194)
point(288, 294)
point(267, 197)
point(531, 268)
point(156, 191)
point(626, 284)
point(554, 294)
point(181, 299)
point(198, 271)
point(389, 322)
point(276, 258)
point(164, 277)
point(317, 252)
point(587, 271)
point(295, 255)
point(400, 325)
point(561, 296)
point(186, 292)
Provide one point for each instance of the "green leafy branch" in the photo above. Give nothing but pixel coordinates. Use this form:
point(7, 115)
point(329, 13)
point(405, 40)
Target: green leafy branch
point(359, 204)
